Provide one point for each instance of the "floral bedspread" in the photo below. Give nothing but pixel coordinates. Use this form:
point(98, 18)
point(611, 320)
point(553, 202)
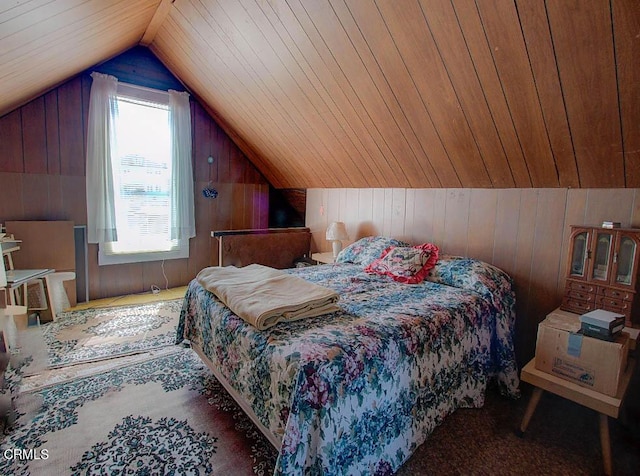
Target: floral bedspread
point(357, 391)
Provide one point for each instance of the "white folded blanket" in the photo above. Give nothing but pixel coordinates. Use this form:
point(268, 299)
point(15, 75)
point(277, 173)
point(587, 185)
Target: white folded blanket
point(264, 296)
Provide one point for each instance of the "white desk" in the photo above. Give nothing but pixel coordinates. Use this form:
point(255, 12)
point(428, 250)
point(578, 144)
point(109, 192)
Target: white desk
point(22, 277)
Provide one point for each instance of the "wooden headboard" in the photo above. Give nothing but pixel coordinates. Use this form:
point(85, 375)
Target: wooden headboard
point(275, 247)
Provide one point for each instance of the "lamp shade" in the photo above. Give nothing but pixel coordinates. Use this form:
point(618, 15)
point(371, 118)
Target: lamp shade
point(337, 231)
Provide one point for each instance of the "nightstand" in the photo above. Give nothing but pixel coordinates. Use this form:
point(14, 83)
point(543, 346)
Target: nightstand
point(324, 258)
point(606, 406)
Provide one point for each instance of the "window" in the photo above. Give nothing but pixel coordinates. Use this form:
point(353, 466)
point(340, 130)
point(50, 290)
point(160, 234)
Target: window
point(144, 181)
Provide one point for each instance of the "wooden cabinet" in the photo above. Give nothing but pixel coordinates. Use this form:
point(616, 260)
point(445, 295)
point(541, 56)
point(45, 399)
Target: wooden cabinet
point(603, 271)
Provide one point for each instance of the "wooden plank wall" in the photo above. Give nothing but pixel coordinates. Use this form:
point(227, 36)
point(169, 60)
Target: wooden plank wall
point(419, 93)
point(42, 177)
point(522, 231)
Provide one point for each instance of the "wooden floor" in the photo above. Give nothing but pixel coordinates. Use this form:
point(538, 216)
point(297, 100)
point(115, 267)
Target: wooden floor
point(161, 295)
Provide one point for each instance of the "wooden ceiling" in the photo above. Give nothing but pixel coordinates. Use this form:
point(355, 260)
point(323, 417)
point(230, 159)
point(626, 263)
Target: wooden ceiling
point(363, 93)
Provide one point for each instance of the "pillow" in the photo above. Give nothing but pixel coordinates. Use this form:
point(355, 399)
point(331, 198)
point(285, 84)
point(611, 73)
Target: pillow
point(471, 274)
point(406, 264)
point(366, 250)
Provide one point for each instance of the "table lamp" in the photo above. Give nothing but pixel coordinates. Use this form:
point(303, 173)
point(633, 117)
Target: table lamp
point(336, 232)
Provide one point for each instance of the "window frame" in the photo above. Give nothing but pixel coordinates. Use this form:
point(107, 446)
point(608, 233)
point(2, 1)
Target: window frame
point(181, 250)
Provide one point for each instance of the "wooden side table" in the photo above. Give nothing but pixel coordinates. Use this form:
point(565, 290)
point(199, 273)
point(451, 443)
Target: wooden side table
point(325, 258)
point(605, 405)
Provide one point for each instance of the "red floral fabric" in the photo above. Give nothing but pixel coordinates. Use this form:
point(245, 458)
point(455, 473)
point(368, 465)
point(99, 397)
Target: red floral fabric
point(406, 264)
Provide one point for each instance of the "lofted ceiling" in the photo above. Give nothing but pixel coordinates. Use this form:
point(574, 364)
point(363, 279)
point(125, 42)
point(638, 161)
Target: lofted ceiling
point(364, 93)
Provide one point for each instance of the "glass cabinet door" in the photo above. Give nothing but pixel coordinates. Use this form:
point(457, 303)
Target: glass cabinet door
point(601, 256)
point(624, 260)
point(579, 255)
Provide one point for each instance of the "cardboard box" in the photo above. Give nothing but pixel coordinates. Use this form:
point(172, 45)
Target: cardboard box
point(586, 361)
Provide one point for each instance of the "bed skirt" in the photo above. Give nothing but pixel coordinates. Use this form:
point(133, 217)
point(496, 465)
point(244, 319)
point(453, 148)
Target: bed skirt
point(238, 398)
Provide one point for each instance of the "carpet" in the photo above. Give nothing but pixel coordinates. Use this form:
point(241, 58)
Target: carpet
point(161, 411)
point(168, 415)
point(94, 334)
point(165, 415)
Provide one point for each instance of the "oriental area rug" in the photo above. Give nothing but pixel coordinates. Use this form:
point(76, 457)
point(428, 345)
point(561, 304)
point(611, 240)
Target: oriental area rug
point(164, 415)
point(95, 334)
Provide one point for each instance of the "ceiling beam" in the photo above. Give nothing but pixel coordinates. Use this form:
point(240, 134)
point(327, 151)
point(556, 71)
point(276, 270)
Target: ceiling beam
point(154, 25)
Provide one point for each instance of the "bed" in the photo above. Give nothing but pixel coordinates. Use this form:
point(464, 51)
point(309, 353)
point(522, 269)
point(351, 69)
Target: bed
point(358, 390)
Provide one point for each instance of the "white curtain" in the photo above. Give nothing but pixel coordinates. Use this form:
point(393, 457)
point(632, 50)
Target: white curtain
point(103, 110)
point(183, 224)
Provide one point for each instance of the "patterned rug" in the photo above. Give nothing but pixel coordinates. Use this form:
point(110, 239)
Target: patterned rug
point(95, 334)
point(166, 415)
